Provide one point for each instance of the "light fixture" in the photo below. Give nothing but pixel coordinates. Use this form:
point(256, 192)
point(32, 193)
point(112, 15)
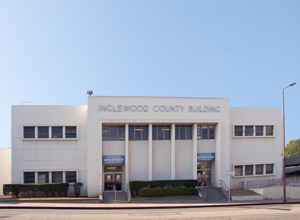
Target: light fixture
point(89, 92)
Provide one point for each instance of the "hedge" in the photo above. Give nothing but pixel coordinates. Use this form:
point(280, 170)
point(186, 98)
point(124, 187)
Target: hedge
point(47, 188)
point(138, 185)
point(167, 192)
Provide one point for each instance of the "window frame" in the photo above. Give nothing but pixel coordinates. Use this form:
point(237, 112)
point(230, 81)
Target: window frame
point(253, 133)
point(163, 132)
point(50, 137)
point(138, 132)
point(117, 134)
point(254, 171)
point(209, 136)
point(180, 128)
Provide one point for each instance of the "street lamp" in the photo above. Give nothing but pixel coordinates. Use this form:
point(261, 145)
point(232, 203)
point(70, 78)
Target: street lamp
point(284, 181)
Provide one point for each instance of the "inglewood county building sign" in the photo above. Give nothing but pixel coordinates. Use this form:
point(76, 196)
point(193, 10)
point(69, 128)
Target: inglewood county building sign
point(158, 108)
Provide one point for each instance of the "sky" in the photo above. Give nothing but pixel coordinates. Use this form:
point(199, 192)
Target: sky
point(53, 51)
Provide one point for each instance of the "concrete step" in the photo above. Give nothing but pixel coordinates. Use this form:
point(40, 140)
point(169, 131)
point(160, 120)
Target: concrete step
point(121, 197)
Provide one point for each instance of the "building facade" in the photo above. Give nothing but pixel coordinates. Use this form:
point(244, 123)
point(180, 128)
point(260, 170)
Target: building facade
point(114, 140)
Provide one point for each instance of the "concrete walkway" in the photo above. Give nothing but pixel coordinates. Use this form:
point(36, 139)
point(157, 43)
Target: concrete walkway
point(94, 203)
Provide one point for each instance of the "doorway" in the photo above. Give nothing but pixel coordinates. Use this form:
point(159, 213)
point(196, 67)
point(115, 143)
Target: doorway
point(113, 176)
point(204, 173)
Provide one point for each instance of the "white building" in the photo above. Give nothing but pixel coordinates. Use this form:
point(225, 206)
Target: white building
point(119, 139)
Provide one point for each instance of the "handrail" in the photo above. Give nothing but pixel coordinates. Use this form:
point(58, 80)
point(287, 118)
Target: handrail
point(115, 191)
point(128, 193)
point(225, 188)
point(203, 192)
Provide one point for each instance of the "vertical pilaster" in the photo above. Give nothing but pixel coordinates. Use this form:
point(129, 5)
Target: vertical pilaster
point(100, 160)
point(126, 156)
point(50, 177)
point(173, 152)
point(150, 152)
point(195, 151)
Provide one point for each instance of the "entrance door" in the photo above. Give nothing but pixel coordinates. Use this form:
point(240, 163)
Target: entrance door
point(113, 179)
point(204, 173)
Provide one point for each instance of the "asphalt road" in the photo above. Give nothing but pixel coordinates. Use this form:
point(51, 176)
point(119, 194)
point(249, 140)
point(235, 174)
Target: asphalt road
point(288, 211)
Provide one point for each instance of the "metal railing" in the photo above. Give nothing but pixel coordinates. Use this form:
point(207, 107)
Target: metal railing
point(225, 189)
point(128, 193)
point(115, 192)
point(202, 190)
point(271, 183)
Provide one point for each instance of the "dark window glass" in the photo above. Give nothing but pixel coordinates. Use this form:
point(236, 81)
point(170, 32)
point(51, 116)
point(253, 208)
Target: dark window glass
point(269, 168)
point(154, 132)
point(238, 170)
point(188, 132)
point(199, 136)
point(113, 133)
point(57, 132)
point(182, 132)
point(160, 132)
point(249, 130)
point(269, 130)
point(29, 132)
point(57, 177)
point(259, 130)
point(248, 170)
point(131, 132)
point(138, 132)
point(121, 133)
point(105, 133)
point(71, 177)
point(211, 132)
point(167, 132)
point(177, 132)
point(238, 130)
point(144, 132)
point(204, 132)
point(259, 169)
point(43, 132)
point(29, 177)
point(43, 177)
point(71, 132)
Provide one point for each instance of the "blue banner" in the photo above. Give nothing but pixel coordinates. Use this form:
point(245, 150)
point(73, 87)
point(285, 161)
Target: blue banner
point(113, 159)
point(205, 157)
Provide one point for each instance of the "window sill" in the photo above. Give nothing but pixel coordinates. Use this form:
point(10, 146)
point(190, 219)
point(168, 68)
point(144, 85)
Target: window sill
point(49, 139)
point(240, 137)
point(251, 176)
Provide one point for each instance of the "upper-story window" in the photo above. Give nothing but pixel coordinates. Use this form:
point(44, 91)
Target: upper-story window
point(183, 132)
point(138, 132)
point(49, 132)
point(205, 132)
point(113, 133)
point(253, 130)
point(160, 132)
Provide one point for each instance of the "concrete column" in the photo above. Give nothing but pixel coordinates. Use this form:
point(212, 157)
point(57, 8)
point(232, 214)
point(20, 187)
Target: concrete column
point(218, 159)
point(173, 152)
point(50, 177)
point(195, 151)
point(100, 160)
point(126, 156)
point(36, 177)
point(150, 152)
point(64, 177)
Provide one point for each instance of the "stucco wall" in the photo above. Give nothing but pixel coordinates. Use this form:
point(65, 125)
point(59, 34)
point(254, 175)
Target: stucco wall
point(161, 160)
point(5, 167)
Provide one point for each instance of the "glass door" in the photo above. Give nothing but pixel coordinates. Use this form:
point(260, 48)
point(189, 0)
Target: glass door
point(113, 179)
point(204, 173)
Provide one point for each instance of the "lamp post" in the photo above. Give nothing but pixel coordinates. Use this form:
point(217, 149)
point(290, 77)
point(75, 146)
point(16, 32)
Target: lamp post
point(284, 181)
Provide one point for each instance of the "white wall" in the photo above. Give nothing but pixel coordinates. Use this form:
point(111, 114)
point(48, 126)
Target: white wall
point(138, 160)
point(183, 159)
point(161, 160)
point(5, 168)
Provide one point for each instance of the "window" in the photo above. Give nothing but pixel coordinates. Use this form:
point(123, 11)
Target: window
point(269, 168)
point(138, 132)
point(29, 177)
point(183, 132)
point(238, 130)
point(269, 130)
point(71, 132)
point(160, 132)
point(43, 132)
point(259, 130)
point(113, 133)
point(43, 177)
point(249, 130)
point(29, 132)
point(71, 177)
point(238, 170)
point(248, 170)
point(57, 177)
point(57, 132)
point(259, 169)
point(205, 132)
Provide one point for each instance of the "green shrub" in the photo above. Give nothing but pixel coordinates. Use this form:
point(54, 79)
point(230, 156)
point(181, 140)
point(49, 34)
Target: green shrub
point(14, 189)
point(77, 188)
point(167, 192)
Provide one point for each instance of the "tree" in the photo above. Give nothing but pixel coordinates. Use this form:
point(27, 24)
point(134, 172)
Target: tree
point(292, 149)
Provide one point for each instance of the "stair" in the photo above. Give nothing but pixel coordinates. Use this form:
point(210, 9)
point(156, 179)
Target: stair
point(215, 194)
point(109, 197)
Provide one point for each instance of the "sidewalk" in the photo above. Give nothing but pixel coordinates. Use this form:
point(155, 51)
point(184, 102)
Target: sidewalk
point(93, 203)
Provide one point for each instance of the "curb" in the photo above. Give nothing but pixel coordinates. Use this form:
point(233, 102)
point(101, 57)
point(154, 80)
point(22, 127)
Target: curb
point(145, 207)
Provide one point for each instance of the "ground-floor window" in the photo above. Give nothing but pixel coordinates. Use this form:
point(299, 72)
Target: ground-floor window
point(50, 177)
point(254, 170)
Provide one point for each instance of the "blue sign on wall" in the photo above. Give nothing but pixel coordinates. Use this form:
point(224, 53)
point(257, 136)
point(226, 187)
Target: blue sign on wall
point(206, 157)
point(113, 159)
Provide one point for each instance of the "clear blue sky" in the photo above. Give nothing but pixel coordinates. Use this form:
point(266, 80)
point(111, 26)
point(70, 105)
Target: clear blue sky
point(52, 52)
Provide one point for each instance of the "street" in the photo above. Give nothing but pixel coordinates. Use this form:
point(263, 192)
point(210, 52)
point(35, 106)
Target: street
point(288, 211)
